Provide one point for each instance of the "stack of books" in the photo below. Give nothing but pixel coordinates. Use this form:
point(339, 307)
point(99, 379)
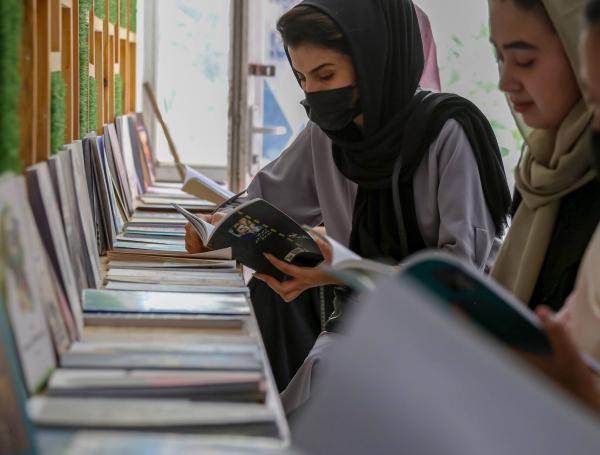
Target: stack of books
point(109, 327)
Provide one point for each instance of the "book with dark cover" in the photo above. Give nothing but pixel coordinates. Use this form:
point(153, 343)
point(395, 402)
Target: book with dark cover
point(255, 228)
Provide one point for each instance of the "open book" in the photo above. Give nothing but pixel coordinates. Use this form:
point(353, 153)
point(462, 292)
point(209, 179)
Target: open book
point(204, 188)
point(351, 269)
point(255, 228)
point(470, 293)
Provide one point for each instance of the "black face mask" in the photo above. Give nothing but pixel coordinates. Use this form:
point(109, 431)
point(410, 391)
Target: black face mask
point(596, 152)
point(332, 110)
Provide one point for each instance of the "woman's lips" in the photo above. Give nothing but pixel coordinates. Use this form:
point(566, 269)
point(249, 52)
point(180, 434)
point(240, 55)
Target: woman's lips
point(522, 107)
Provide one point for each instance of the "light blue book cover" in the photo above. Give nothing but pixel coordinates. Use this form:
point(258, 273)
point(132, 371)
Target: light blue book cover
point(165, 303)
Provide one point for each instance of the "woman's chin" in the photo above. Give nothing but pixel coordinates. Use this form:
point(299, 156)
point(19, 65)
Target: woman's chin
point(536, 121)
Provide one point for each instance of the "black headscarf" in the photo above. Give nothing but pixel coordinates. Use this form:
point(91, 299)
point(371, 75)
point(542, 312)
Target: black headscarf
point(400, 124)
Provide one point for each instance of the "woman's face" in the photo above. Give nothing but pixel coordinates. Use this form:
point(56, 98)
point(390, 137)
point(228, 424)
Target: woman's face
point(320, 69)
point(535, 72)
point(590, 70)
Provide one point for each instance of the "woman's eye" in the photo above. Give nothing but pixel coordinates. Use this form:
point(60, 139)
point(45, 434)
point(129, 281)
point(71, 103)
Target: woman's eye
point(525, 64)
point(326, 77)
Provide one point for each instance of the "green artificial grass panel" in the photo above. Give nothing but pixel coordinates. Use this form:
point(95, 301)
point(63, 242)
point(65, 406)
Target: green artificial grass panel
point(11, 20)
point(123, 13)
point(93, 104)
point(99, 9)
point(118, 95)
point(133, 19)
point(84, 66)
point(58, 111)
point(112, 11)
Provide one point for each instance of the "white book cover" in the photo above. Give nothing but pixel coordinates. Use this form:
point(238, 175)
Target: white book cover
point(153, 287)
point(19, 280)
point(199, 185)
point(127, 151)
point(194, 278)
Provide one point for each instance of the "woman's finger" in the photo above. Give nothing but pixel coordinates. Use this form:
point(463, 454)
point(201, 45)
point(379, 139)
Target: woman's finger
point(286, 268)
point(562, 343)
point(281, 288)
point(287, 290)
point(325, 249)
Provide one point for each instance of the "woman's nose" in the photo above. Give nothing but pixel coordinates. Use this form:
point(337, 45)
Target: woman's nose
point(309, 86)
point(508, 82)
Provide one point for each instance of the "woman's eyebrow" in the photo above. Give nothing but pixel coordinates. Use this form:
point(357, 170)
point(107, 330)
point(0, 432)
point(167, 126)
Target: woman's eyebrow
point(519, 45)
point(320, 67)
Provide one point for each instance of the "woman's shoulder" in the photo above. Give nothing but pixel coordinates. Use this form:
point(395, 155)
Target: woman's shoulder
point(451, 141)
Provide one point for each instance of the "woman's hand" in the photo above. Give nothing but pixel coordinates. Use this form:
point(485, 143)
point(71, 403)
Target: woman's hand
point(303, 278)
point(193, 242)
point(565, 364)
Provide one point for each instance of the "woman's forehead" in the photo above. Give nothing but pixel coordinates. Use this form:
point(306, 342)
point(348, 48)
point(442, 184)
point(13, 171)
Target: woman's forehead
point(510, 23)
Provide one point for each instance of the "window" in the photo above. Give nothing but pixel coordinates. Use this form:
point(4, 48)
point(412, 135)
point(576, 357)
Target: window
point(192, 79)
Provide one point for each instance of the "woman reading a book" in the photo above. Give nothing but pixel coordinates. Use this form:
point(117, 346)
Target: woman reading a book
point(412, 169)
point(305, 183)
point(556, 207)
point(577, 327)
point(408, 169)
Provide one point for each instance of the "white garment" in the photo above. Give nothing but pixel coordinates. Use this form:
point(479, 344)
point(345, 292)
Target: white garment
point(584, 303)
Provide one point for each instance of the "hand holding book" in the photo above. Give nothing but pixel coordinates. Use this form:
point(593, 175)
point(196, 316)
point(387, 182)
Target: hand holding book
point(303, 278)
point(565, 364)
point(193, 241)
point(254, 228)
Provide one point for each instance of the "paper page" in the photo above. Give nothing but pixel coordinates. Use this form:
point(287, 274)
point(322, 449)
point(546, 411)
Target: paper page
point(203, 228)
point(191, 174)
point(339, 253)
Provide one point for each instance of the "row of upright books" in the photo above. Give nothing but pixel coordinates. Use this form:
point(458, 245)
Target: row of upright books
point(112, 333)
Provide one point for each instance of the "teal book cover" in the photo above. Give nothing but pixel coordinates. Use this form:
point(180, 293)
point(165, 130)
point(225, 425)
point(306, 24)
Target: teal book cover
point(17, 435)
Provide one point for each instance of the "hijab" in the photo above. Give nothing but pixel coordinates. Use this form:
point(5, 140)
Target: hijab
point(555, 163)
point(400, 123)
point(431, 74)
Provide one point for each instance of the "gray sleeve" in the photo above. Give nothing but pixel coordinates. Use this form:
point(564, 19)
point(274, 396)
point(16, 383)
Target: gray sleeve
point(464, 224)
point(288, 182)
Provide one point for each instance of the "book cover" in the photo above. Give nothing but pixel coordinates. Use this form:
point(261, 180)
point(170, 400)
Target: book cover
point(199, 185)
point(47, 216)
point(17, 435)
point(190, 385)
point(163, 302)
point(153, 415)
point(150, 287)
point(255, 228)
point(162, 360)
point(19, 288)
point(208, 278)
